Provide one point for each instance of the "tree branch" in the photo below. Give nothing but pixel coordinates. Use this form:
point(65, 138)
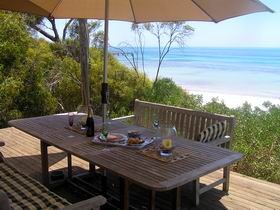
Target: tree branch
point(46, 34)
point(56, 35)
point(65, 29)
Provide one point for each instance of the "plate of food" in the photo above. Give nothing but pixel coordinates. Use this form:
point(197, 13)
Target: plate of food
point(112, 137)
point(138, 142)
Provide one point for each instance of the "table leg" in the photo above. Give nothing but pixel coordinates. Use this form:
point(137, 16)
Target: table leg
point(226, 177)
point(104, 182)
point(152, 200)
point(69, 162)
point(176, 203)
point(45, 163)
point(124, 194)
point(196, 191)
point(92, 168)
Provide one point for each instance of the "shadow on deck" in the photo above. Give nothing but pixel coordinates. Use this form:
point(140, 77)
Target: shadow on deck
point(23, 152)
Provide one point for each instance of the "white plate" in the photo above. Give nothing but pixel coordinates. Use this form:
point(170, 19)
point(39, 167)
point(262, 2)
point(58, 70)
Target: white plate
point(123, 143)
point(145, 143)
point(121, 139)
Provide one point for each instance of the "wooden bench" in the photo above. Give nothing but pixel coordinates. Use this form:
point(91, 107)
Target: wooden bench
point(189, 124)
point(20, 192)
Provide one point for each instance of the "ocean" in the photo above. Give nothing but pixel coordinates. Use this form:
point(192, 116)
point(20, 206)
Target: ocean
point(238, 71)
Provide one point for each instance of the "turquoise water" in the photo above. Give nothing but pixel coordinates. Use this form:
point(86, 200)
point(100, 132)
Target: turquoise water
point(242, 71)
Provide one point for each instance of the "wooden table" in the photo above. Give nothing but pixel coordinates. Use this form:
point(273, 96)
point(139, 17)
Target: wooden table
point(131, 166)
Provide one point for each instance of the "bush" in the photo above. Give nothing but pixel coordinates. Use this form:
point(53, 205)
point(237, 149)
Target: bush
point(165, 91)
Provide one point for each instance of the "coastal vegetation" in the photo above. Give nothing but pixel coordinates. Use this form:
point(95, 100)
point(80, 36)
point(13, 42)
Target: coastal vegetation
point(39, 78)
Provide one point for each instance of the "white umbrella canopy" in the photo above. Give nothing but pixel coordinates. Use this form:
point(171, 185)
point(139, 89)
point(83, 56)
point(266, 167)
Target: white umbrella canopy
point(137, 11)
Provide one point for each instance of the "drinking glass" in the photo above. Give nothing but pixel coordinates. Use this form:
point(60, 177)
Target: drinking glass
point(168, 134)
point(71, 119)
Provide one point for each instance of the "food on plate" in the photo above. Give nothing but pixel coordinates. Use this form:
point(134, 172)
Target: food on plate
point(113, 138)
point(133, 134)
point(136, 140)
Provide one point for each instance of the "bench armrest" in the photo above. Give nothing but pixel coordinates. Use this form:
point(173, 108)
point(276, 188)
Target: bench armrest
point(124, 118)
point(220, 141)
point(4, 201)
point(90, 204)
point(129, 119)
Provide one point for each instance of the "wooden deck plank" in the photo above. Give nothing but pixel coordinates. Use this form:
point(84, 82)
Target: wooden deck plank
point(23, 152)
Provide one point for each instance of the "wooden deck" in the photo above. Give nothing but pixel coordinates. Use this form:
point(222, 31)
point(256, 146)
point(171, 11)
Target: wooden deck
point(23, 152)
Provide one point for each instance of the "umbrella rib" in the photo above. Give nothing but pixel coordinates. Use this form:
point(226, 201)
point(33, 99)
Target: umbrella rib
point(203, 10)
point(132, 9)
point(57, 5)
point(259, 2)
point(47, 12)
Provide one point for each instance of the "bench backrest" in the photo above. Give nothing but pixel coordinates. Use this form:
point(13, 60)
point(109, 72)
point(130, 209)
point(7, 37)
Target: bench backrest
point(189, 123)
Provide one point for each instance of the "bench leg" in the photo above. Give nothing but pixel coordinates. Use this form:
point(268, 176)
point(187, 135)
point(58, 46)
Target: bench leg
point(69, 162)
point(196, 191)
point(226, 174)
point(176, 204)
point(44, 163)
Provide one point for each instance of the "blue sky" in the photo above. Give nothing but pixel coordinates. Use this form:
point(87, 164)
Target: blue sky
point(254, 30)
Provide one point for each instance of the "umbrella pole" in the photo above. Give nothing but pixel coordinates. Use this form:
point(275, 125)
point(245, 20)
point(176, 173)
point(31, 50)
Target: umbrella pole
point(105, 90)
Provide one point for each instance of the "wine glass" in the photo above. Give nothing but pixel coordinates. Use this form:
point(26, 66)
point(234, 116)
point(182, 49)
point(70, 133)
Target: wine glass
point(82, 113)
point(156, 125)
point(105, 130)
point(71, 119)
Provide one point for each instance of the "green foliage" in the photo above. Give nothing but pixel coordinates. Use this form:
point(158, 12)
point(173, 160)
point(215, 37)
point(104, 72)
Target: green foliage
point(167, 92)
point(215, 106)
point(125, 85)
point(9, 89)
point(35, 98)
point(14, 41)
point(23, 64)
point(257, 136)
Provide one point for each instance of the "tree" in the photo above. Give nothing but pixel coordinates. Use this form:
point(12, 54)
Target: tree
point(14, 41)
point(136, 53)
point(47, 27)
point(22, 89)
point(167, 34)
point(174, 32)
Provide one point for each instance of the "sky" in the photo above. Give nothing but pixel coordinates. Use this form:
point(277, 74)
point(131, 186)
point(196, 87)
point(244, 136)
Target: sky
point(254, 30)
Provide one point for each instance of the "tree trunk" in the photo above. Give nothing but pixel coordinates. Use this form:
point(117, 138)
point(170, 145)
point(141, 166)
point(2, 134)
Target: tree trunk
point(84, 54)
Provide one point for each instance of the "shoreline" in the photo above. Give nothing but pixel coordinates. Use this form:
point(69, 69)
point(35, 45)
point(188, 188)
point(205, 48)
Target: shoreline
point(234, 100)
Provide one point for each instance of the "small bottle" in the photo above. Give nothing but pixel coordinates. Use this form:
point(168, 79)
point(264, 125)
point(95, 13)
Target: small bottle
point(90, 123)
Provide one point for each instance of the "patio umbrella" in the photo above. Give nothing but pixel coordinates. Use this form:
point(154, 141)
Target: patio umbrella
point(137, 11)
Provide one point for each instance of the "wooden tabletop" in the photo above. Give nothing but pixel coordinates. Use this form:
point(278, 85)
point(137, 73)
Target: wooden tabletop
point(128, 163)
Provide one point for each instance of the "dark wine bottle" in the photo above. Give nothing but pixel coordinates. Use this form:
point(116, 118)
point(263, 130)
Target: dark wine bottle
point(90, 123)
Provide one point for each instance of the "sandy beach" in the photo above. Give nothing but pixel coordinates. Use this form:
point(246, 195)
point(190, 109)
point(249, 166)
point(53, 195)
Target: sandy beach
point(234, 101)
